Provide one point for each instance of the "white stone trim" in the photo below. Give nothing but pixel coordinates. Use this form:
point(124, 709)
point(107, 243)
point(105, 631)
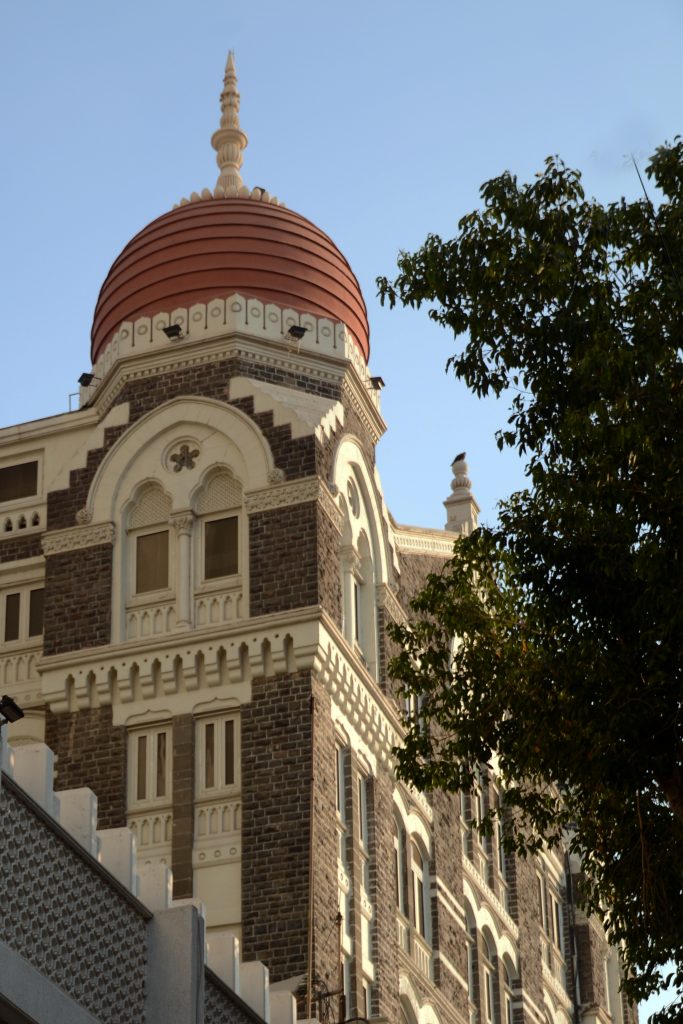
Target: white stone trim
point(353, 695)
point(387, 599)
point(73, 538)
point(413, 539)
point(302, 412)
point(125, 675)
point(226, 316)
point(294, 492)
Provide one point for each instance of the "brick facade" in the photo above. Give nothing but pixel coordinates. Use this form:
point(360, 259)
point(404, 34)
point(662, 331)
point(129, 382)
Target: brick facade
point(183, 806)
point(78, 599)
point(276, 768)
point(13, 549)
point(90, 751)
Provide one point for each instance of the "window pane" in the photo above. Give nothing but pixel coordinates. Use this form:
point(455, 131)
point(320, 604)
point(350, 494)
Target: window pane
point(12, 617)
point(220, 548)
point(229, 753)
point(142, 768)
point(209, 756)
point(151, 564)
point(18, 481)
point(161, 764)
point(35, 613)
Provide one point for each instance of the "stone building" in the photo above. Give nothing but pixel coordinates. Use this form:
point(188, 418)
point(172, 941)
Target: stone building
point(197, 569)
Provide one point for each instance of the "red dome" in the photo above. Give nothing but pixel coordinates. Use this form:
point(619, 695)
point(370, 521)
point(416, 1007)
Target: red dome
point(212, 248)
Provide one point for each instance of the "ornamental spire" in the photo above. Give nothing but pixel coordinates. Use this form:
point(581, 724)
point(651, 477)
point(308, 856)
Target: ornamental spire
point(229, 140)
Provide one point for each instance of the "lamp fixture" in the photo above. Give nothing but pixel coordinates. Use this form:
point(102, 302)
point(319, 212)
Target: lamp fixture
point(173, 332)
point(296, 333)
point(9, 710)
point(86, 379)
point(376, 383)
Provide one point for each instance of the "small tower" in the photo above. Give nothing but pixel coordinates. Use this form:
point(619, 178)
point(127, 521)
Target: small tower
point(462, 510)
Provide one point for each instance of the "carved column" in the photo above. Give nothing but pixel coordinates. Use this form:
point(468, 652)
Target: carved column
point(182, 524)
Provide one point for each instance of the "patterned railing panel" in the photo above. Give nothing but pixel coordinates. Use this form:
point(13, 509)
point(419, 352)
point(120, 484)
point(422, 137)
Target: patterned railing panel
point(62, 916)
point(220, 1007)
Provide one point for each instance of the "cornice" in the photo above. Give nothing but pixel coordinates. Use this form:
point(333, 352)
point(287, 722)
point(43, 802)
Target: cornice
point(76, 537)
point(294, 492)
point(417, 540)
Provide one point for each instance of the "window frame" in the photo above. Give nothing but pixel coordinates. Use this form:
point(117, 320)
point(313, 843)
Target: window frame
point(151, 733)
point(204, 521)
point(24, 637)
point(220, 787)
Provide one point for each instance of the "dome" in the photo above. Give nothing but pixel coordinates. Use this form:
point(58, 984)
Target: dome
point(211, 248)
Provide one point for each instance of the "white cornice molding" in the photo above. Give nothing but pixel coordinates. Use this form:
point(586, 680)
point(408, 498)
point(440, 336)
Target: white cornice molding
point(76, 537)
point(421, 541)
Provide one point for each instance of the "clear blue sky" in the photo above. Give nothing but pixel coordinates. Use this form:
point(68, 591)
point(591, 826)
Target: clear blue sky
point(377, 120)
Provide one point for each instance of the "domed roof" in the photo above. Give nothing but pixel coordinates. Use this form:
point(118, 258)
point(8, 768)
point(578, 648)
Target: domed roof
point(211, 248)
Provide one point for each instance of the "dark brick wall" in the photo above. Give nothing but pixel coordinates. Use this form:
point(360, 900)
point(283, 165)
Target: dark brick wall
point(526, 907)
point(183, 814)
point(329, 568)
point(447, 935)
point(13, 548)
point(276, 767)
point(414, 570)
point(383, 896)
point(283, 570)
point(63, 505)
point(78, 599)
point(91, 752)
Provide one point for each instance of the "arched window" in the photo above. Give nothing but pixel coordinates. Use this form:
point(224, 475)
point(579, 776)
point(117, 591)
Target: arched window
point(400, 867)
point(148, 564)
point(220, 555)
point(359, 573)
point(419, 876)
point(488, 1000)
point(472, 986)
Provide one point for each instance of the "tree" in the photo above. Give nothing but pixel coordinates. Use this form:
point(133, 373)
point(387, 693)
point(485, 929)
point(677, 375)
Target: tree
point(568, 612)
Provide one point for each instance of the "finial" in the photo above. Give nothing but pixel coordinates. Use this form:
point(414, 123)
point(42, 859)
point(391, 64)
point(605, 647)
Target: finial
point(461, 506)
point(229, 140)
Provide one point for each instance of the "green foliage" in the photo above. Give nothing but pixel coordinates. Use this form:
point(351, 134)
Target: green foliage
point(569, 611)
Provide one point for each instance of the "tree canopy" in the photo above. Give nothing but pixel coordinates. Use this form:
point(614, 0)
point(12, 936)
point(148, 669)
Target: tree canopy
point(567, 665)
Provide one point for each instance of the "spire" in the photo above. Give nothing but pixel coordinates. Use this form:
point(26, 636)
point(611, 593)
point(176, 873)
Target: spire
point(461, 505)
point(229, 140)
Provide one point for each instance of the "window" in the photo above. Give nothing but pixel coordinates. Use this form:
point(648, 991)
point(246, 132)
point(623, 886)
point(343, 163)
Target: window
point(35, 612)
point(220, 548)
point(399, 866)
point(489, 976)
point(20, 481)
point(150, 766)
point(542, 903)
point(340, 767)
point(151, 562)
point(12, 617)
point(556, 920)
point(22, 614)
point(363, 831)
point(417, 872)
point(218, 754)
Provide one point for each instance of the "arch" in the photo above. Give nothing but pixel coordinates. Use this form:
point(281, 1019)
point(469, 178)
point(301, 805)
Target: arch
point(350, 465)
point(222, 434)
point(413, 1012)
point(413, 822)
